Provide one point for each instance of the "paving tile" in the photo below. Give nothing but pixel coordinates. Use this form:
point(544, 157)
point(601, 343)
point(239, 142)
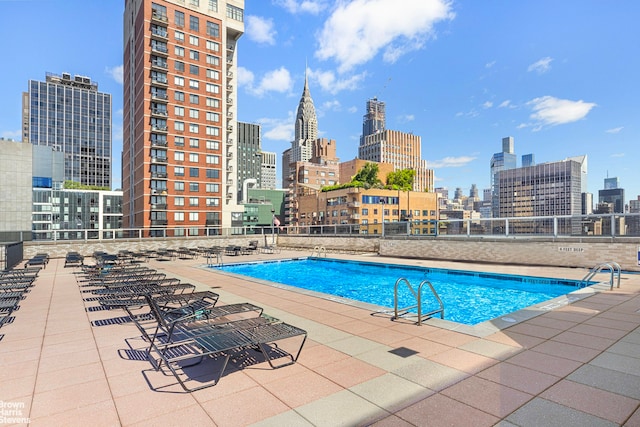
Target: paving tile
point(514, 339)
point(343, 409)
point(603, 404)
point(608, 379)
point(634, 420)
point(349, 372)
point(61, 378)
point(288, 418)
point(391, 392)
point(75, 396)
point(543, 332)
point(193, 415)
point(303, 388)
point(626, 349)
point(567, 351)
point(491, 349)
point(392, 421)
point(439, 410)
point(431, 375)
point(583, 340)
point(617, 362)
point(545, 363)
point(599, 331)
point(541, 412)
point(519, 377)
point(487, 396)
point(424, 347)
point(463, 360)
point(101, 414)
point(450, 338)
point(138, 407)
point(244, 408)
point(319, 355)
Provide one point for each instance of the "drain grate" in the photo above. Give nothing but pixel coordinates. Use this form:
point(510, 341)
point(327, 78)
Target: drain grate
point(403, 352)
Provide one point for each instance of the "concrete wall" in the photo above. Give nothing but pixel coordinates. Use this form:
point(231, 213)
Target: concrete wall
point(548, 252)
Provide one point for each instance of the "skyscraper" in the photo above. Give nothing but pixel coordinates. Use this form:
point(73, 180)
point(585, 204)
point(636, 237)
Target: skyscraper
point(306, 132)
point(612, 194)
point(249, 158)
point(374, 120)
point(70, 115)
point(504, 160)
point(180, 134)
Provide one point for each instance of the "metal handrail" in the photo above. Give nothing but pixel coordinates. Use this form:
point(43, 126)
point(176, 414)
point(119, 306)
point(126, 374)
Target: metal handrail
point(319, 250)
point(612, 266)
point(418, 296)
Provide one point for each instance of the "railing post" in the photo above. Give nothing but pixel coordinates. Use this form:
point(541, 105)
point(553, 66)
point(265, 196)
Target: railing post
point(468, 228)
point(613, 225)
point(506, 226)
point(555, 226)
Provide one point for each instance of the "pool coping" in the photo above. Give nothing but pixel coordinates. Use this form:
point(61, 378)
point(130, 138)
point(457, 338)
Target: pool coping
point(479, 330)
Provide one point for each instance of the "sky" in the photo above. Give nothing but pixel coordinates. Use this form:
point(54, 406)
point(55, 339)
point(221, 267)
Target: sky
point(561, 77)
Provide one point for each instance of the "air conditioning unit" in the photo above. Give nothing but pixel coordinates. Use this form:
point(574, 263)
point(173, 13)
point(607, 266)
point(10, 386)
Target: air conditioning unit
point(154, 191)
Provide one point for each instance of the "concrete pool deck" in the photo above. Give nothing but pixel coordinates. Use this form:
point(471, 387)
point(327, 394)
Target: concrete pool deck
point(571, 364)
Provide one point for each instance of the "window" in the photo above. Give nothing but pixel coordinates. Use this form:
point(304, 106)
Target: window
point(211, 88)
point(212, 159)
point(179, 66)
point(178, 171)
point(194, 23)
point(213, 5)
point(194, 69)
point(212, 201)
point(178, 216)
point(194, 84)
point(179, 141)
point(213, 188)
point(194, 40)
point(161, 11)
point(235, 12)
point(213, 74)
point(213, 103)
point(178, 185)
point(195, 3)
point(193, 201)
point(194, 54)
point(194, 187)
point(194, 114)
point(213, 117)
point(213, 145)
point(179, 18)
point(178, 111)
point(179, 35)
point(178, 126)
point(193, 157)
point(213, 173)
point(179, 81)
point(193, 216)
point(179, 96)
point(213, 29)
point(194, 128)
point(178, 156)
point(194, 143)
point(212, 60)
point(194, 99)
point(178, 201)
point(213, 131)
point(213, 46)
point(365, 211)
point(179, 50)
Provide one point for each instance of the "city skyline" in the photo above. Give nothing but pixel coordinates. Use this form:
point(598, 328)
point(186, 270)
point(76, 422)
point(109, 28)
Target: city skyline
point(460, 75)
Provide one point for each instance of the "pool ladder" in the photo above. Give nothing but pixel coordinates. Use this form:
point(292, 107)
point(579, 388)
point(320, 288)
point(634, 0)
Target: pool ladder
point(319, 250)
point(403, 312)
point(611, 266)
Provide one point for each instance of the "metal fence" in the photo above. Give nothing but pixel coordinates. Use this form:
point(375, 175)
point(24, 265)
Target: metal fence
point(608, 225)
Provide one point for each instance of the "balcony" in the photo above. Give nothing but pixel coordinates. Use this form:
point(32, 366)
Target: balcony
point(159, 17)
point(354, 216)
point(161, 175)
point(156, 128)
point(229, 142)
point(159, 33)
point(229, 182)
point(162, 97)
point(230, 114)
point(229, 101)
point(229, 128)
point(159, 222)
point(353, 204)
point(159, 50)
point(158, 143)
point(229, 155)
point(229, 75)
point(159, 81)
point(159, 207)
point(159, 159)
point(159, 64)
point(160, 113)
point(229, 88)
point(229, 169)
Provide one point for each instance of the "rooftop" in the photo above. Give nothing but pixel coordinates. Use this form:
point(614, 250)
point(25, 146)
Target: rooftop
point(577, 364)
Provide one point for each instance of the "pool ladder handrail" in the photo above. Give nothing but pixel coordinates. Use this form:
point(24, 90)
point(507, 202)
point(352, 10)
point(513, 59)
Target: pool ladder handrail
point(612, 266)
point(217, 255)
point(319, 250)
point(418, 296)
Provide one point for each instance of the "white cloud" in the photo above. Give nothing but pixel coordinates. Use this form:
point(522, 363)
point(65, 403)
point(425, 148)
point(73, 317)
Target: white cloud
point(407, 118)
point(330, 83)
point(260, 30)
point(356, 31)
point(487, 105)
point(541, 66)
point(617, 155)
point(332, 105)
point(306, 6)
point(614, 130)
point(116, 73)
point(451, 162)
point(550, 111)
point(278, 80)
point(490, 64)
point(245, 77)
point(278, 129)
point(353, 109)
point(15, 135)
point(506, 104)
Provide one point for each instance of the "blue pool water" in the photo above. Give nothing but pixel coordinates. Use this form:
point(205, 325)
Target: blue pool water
point(468, 297)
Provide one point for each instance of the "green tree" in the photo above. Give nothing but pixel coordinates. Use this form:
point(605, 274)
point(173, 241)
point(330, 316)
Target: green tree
point(401, 180)
point(368, 176)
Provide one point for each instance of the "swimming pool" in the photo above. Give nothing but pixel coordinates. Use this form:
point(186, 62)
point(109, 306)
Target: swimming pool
point(469, 297)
